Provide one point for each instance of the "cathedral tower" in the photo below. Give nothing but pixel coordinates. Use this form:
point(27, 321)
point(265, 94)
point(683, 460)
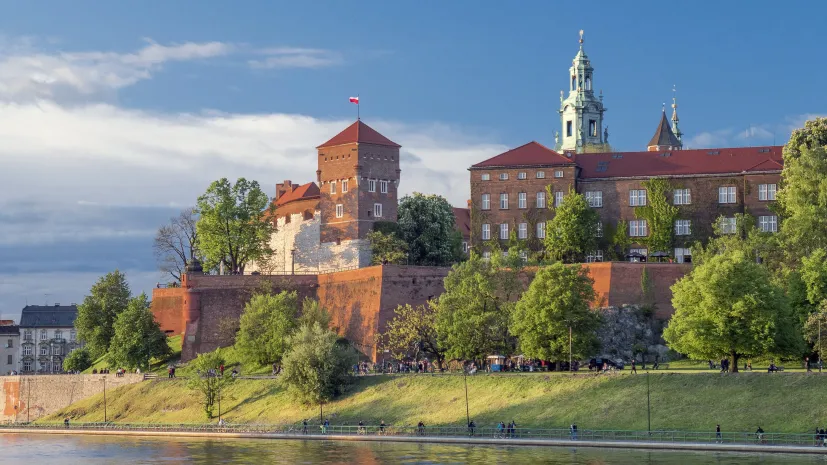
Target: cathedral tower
point(581, 113)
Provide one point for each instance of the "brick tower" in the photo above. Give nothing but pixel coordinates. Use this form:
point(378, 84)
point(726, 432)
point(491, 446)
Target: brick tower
point(358, 177)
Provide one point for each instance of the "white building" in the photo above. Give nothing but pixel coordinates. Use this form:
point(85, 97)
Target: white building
point(47, 335)
point(9, 349)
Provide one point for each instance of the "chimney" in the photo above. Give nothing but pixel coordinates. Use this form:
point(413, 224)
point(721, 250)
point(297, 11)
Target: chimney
point(285, 187)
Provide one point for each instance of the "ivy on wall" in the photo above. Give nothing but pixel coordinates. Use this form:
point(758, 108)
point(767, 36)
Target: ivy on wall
point(660, 215)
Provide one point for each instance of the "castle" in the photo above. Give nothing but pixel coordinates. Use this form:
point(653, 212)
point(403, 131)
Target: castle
point(321, 249)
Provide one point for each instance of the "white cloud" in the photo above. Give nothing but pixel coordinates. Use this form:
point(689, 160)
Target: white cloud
point(291, 57)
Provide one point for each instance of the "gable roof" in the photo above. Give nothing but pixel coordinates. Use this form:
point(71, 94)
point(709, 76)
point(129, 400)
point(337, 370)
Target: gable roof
point(305, 191)
point(361, 133)
point(37, 316)
point(680, 162)
point(532, 153)
point(664, 135)
point(462, 220)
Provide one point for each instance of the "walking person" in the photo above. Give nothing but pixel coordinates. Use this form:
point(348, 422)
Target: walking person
point(361, 428)
point(573, 430)
point(66, 422)
point(325, 426)
point(420, 428)
point(634, 369)
point(471, 426)
point(500, 429)
point(382, 428)
point(760, 434)
point(513, 427)
point(718, 438)
point(304, 426)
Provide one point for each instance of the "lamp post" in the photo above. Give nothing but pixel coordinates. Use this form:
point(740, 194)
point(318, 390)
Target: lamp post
point(104, 399)
point(571, 368)
point(648, 406)
point(467, 414)
point(819, 341)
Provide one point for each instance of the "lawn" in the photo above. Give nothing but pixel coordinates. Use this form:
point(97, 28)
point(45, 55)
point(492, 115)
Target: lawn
point(777, 402)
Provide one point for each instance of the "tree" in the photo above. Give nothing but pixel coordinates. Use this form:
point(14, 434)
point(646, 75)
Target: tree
point(175, 244)
point(318, 367)
point(812, 135)
point(413, 329)
point(232, 226)
point(95, 322)
point(816, 322)
point(427, 224)
point(77, 360)
point(138, 337)
point(620, 239)
point(729, 306)
point(312, 312)
point(266, 324)
point(558, 298)
point(472, 315)
point(208, 380)
point(660, 215)
point(387, 248)
point(572, 233)
point(814, 275)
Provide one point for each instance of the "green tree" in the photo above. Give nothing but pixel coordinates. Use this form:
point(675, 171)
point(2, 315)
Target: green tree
point(318, 366)
point(387, 248)
point(660, 215)
point(413, 330)
point(729, 306)
point(572, 233)
point(232, 225)
point(472, 315)
point(816, 322)
point(313, 312)
point(814, 275)
point(266, 324)
point(138, 337)
point(208, 380)
point(427, 224)
point(77, 360)
point(812, 135)
point(95, 322)
point(620, 240)
point(558, 298)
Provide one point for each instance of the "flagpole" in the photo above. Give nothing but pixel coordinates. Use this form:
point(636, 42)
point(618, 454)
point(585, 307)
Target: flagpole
point(358, 104)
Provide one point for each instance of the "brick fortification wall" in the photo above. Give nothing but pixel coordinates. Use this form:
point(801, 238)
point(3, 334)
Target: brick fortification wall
point(32, 397)
point(362, 301)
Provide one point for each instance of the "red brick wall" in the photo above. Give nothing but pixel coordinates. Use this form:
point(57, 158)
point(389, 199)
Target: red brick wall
point(619, 283)
point(168, 308)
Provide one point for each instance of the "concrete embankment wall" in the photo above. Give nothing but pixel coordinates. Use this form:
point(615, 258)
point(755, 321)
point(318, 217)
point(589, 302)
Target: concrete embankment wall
point(27, 398)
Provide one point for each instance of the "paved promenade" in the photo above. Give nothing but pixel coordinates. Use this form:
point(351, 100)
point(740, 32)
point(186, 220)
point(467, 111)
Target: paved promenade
point(217, 433)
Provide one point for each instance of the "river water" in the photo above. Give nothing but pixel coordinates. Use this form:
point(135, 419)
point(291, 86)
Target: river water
point(94, 450)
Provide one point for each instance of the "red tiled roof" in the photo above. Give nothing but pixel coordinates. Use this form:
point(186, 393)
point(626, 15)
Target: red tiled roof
point(305, 191)
point(680, 162)
point(532, 153)
point(462, 221)
point(361, 133)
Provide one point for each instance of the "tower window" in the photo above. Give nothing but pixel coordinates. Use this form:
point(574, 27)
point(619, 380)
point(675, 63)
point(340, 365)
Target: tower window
point(377, 210)
point(344, 186)
point(340, 210)
point(593, 128)
point(371, 185)
point(568, 128)
point(588, 83)
point(573, 82)
point(332, 187)
point(383, 187)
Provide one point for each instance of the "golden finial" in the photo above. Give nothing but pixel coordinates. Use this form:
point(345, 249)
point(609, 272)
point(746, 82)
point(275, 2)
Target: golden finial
point(581, 37)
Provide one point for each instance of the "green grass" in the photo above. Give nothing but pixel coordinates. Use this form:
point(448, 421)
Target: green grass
point(156, 366)
point(778, 403)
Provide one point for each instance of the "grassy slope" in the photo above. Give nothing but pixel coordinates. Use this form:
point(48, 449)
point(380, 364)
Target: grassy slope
point(779, 403)
point(156, 366)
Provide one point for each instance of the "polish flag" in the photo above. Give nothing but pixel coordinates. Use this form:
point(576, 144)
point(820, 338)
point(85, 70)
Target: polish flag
point(354, 100)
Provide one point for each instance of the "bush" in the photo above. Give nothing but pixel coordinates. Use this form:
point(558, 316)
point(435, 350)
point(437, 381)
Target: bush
point(77, 360)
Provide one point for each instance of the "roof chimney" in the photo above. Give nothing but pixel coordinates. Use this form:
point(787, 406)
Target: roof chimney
point(57, 304)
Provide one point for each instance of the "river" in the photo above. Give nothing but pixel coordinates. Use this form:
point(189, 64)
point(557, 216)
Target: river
point(94, 450)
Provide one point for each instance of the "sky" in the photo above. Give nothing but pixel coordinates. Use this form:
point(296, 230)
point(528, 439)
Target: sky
point(114, 116)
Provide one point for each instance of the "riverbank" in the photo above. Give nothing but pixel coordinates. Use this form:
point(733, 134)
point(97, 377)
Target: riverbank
point(779, 403)
point(464, 440)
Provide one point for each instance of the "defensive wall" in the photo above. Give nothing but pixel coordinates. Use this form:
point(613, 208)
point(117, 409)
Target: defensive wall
point(206, 309)
point(27, 398)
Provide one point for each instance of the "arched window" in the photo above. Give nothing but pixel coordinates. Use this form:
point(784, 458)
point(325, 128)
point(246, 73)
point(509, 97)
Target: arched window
point(588, 83)
point(573, 82)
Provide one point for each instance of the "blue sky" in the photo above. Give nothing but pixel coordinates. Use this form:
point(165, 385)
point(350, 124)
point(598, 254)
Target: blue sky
point(115, 115)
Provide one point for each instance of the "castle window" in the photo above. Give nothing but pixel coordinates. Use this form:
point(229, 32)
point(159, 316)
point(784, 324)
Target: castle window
point(588, 83)
point(637, 198)
point(638, 228)
point(44, 350)
point(595, 198)
point(568, 129)
point(383, 187)
point(540, 175)
point(598, 229)
point(371, 185)
point(558, 174)
point(541, 230)
point(27, 335)
point(595, 256)
point(308, 215)
point(332, 187)
point(682, 197)
point(683, 255)
point(521, 175)
point(465, 247)
point(486, 232)
point(340, 210)
point(682, 227)
point(522, 201)
point(43, 335)
point(377, 210)
point(726, 194)
point(503, 201)
point(766, 192)
point(27, 366)
point(504, 231)
point(486, 201)
point(485, 177)
point(728, 225)
point(27, 350)
point(593, 128)
point(522, 231)
point(344, 186)
point(541, 200)
point(73, 335)
point(558, 199)
point(768, 223)
point(486, 255)
point(503, 176)
point(58, 334)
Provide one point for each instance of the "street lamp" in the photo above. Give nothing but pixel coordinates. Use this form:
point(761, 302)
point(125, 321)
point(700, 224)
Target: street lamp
point(104, 398)
point(467, 414)
point(648, 406)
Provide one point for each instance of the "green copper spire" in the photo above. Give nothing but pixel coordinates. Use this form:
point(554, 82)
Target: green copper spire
point(581, 112)
point(675, 128)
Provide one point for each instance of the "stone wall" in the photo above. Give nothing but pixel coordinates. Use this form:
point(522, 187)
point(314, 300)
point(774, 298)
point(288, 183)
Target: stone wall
point(27, 398)
point(297, 247)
